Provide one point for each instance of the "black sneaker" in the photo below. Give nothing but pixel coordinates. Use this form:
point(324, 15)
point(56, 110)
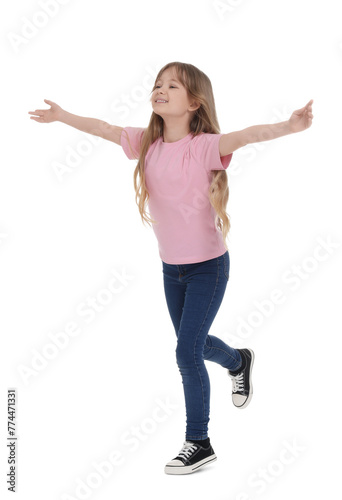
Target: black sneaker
point(191, 457)
point(242, 380)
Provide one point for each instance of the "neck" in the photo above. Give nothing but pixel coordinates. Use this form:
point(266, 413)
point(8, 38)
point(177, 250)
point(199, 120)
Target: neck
point(173, 132)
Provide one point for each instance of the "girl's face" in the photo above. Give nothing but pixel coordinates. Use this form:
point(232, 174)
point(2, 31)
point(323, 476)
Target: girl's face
point(169, 88)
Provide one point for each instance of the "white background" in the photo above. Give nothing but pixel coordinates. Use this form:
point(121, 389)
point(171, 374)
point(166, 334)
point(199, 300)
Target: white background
point(62, 238)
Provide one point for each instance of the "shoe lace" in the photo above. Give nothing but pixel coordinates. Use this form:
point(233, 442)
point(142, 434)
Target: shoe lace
point(238, 382)
point(187, 449)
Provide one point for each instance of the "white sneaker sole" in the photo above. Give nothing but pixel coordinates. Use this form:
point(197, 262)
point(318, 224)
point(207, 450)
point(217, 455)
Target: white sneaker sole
point(188, 469)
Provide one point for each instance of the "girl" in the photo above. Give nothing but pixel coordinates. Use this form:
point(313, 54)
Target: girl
point(181, 174)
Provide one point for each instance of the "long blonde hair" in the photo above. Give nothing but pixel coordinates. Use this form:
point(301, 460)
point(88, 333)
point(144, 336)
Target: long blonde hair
point(204, 119)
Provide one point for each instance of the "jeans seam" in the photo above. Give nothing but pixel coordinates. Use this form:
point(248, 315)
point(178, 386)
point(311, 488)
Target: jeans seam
point(222, 350)
point(203, 322)
point(225, 267)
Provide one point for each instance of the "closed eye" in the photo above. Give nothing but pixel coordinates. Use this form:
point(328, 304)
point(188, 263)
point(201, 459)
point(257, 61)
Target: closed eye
point(170, 86)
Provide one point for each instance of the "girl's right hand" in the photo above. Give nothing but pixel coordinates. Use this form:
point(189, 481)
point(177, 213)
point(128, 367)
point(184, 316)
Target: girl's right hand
point(47, 115)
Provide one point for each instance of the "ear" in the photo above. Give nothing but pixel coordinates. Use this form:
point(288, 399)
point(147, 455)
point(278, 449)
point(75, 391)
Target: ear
point(194, 105)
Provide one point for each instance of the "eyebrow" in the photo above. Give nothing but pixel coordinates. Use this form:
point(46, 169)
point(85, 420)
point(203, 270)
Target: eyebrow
point(171, 80)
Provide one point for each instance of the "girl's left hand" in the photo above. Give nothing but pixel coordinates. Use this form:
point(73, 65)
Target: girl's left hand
point(301, 119)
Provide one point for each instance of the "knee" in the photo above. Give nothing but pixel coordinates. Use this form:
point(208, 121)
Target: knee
point(184, 356)
point(207, 349)
point(188, 355)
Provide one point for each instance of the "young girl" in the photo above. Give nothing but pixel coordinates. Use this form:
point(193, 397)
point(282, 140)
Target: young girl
point(182, 161)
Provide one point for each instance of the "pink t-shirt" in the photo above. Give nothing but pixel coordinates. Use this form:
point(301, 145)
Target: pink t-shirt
point(178, 176)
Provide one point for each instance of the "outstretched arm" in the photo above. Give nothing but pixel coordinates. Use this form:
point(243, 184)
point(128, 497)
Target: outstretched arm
point(300, 120)
point(92, 126)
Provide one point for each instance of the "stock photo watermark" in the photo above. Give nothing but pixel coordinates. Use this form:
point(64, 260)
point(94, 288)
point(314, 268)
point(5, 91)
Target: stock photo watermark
point(3, 237)
point(222, 7)
point(269, 473)
point(250, 151)
point(121, 108)
point(12, 456)
point(137, 94)
point(87, 310)
point(75, 156)
point(200, 200)
point(131, 441)
point(293, 279)
point(30, 28)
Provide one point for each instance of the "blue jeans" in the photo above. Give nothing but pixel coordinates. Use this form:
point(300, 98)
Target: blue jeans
point(194, 293)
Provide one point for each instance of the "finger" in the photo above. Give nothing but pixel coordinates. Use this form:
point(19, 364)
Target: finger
point(48, 102)
point(300, 110)
point(304, 108)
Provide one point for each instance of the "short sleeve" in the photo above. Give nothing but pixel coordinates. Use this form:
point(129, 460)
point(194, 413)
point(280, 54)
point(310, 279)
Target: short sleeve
point(208, 151)
point(134, 134)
